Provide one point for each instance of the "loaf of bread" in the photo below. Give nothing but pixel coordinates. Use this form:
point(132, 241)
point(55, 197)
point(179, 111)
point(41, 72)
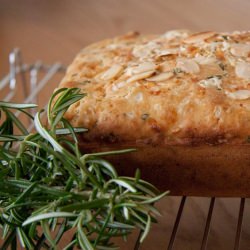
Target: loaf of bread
point(182, 99)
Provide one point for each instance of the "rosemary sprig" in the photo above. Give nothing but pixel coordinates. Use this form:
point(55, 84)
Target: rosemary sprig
point(45, 185)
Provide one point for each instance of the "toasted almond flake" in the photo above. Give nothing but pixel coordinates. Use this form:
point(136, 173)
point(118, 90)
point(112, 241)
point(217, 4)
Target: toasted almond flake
point(237, 32)
point(118, 85)
point(114, 46)
point(172, 34)
point(129, 71)
point(167, 66)
point(144, 67)
point(155, 89)
point(114, 88)
point(242, 69)
point(152, 45)
point(166, 52)
point(211, 82)
point(239, 49)
point(199, 37)
point(140, 76)
point(232, 60)
point(209, 70)
point(205, 59)
point(131, 34)
point(161, 77)
point(145, 50)
point(188, 65)
point(112, 72)
point(141, 52)
point(239, 94)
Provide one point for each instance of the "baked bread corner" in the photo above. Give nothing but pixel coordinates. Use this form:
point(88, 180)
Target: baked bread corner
point(181, 98)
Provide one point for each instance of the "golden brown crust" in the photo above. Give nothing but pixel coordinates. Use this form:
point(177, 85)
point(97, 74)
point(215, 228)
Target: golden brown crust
point(175, 89)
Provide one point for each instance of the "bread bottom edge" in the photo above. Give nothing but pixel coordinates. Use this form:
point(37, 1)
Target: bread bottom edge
point(207, 171)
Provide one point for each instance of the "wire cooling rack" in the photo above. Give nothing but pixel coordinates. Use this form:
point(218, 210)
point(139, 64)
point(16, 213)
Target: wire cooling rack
point(26, 83)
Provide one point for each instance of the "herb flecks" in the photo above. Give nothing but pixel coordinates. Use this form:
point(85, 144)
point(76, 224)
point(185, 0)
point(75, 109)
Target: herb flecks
point(144, 116)
point(248, 139)
point(214, 76)
point(225, 37)
point(177, 71)
point(222, 66)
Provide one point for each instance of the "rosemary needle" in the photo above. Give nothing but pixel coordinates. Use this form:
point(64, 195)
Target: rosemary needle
point(45, 185)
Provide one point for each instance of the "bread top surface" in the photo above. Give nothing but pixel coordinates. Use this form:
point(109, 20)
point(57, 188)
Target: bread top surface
point(179, 88)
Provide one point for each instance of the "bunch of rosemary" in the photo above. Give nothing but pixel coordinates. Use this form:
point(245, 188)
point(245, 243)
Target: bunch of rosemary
point(48, 189)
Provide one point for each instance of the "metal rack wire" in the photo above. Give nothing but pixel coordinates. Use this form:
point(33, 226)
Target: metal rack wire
point(29, 80)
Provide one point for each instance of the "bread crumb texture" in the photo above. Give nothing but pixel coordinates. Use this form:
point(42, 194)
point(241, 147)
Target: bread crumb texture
point(179, 88)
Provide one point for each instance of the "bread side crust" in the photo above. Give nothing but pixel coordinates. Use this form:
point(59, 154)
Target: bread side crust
point(221, 170)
